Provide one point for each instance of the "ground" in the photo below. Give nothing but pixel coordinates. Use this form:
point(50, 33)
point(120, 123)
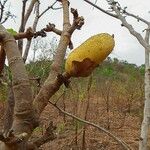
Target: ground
point(124, 126)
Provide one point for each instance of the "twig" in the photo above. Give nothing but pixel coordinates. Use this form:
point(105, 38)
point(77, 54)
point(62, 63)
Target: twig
point(49, 7)
point(4, 15)
point(106, 12)
point(51, 28)
point(119, 141)
point(86, 111)
point(78, 22)
point(137, 17)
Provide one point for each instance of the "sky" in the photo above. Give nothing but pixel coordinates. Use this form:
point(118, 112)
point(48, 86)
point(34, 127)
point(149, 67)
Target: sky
point(126, 47)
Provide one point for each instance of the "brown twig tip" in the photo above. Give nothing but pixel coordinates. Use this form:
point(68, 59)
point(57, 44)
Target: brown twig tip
point(75, 13)
point(80, 22)
point(49, 27)
point(41, 33)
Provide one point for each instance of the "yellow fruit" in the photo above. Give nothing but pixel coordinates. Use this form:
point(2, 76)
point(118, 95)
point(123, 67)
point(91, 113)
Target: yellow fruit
point(83, 60)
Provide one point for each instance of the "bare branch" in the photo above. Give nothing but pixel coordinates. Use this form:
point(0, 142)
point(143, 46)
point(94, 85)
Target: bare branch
point(5, 14)
point(22, 16)
point(137, 17)
point(24, 20)
point(26, 15)
point(130, 28)
point(104, 11)
point(119, 141)
point(78, 22)
point(115, 6)
point(34, 29)
point(49, 7)
point(51, 28)
point(50, 89)
point(29, 34)
point(2, 10)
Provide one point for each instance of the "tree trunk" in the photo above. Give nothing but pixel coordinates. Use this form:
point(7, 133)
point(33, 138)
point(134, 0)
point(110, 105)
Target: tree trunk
point(24, 120)
point(143, 144)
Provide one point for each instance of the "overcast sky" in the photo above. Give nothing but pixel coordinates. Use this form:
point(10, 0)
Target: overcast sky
point(126, 48)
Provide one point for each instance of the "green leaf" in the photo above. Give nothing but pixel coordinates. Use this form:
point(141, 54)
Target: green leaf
point(12, 31)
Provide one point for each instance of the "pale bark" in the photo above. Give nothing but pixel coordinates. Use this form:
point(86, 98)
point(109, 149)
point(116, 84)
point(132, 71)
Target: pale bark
point(143, 143)
point(24, 120)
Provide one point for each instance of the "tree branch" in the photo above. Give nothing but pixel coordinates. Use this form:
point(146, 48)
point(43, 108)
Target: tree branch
point(24, 21)
point(49, 7)
point(52, 83)
point(34, 29)
point(22, 16)
point(51, 28)
point(119, 16)
point(130, 28)
point(104, 11)
point(137, 17)
point(119, 141)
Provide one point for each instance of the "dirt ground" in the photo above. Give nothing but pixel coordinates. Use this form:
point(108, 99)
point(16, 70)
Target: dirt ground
point(125, 126)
